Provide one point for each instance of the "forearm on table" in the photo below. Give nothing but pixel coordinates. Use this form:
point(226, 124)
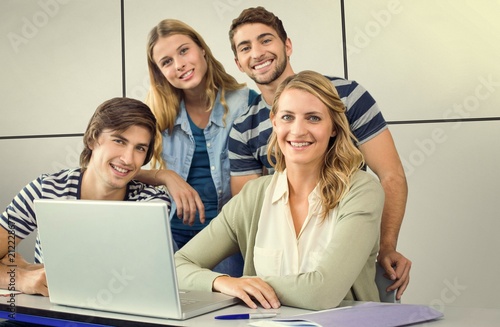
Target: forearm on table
point(10, 265)
point(194, 265)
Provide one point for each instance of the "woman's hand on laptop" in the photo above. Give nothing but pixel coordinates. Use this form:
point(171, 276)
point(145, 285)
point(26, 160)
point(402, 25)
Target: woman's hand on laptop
point(248, 290)
point(31, 280)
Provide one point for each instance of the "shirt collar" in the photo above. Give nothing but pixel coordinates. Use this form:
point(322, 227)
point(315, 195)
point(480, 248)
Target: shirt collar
point(281, 189)
point(216, 116)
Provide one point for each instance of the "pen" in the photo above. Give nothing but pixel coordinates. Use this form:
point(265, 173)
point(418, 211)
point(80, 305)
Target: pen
point(246, 316)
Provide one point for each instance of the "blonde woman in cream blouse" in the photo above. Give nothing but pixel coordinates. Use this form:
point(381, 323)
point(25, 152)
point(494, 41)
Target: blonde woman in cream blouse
point(309, 234)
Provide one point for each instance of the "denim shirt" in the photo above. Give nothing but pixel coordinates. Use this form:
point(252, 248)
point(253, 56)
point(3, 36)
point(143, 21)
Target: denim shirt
point(178, 147)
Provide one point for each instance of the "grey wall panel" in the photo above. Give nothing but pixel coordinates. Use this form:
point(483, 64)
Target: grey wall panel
point(313, 26)
point(450, 231)
point(24, 160)
point(59, 60)
point(427, 59)
point(421, 60)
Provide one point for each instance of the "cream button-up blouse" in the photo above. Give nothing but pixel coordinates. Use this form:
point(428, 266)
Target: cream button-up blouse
point(278, 250)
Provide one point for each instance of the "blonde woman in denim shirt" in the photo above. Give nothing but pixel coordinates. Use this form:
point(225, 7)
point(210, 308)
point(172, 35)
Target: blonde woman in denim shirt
point(195, 103)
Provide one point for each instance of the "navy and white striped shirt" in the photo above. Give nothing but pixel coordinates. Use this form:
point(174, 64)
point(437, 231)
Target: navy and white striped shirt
point(250, 134)
point(19, 217)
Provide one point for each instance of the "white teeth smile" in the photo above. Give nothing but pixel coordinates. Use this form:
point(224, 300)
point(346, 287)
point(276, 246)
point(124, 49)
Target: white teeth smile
point(300, 144)
point(186, 74)
point(267, 63)
point(120, 170)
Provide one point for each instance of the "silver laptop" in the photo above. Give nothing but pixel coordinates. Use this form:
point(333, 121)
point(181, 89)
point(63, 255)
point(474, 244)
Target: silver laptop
point(116, 256)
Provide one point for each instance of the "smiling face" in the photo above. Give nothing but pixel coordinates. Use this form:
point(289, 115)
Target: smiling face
point(261, 54)
point(181, 61)
point(116, 158)
point(303, 128)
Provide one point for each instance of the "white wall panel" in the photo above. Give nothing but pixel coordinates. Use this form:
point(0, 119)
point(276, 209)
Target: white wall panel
point(59, 60)
point(450, 230)
point(313, 26)
point(427, 59)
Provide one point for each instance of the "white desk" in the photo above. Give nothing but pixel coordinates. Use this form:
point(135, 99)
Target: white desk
point(467, 317)
point(37, 306)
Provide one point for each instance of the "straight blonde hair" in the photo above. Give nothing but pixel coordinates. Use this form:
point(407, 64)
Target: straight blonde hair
point(164, 99)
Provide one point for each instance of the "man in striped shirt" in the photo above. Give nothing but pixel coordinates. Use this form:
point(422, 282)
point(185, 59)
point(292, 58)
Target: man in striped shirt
point(118, 141)
point(262, 50)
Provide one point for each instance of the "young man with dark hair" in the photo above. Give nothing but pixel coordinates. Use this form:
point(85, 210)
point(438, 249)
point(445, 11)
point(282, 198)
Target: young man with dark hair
point(262, 50)
point(118, 141)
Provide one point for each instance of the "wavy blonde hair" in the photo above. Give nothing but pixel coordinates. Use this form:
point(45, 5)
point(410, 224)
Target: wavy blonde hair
point(342, 158)
point(164, 99)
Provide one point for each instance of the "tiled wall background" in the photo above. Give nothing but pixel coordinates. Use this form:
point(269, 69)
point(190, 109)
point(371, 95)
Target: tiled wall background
point(433, 66)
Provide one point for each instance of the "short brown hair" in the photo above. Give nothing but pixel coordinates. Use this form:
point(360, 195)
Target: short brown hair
point(118, 114)
point(257, 15)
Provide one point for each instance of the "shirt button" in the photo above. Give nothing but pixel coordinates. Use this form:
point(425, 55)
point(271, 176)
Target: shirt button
point(213, 167)
point(208, 144)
